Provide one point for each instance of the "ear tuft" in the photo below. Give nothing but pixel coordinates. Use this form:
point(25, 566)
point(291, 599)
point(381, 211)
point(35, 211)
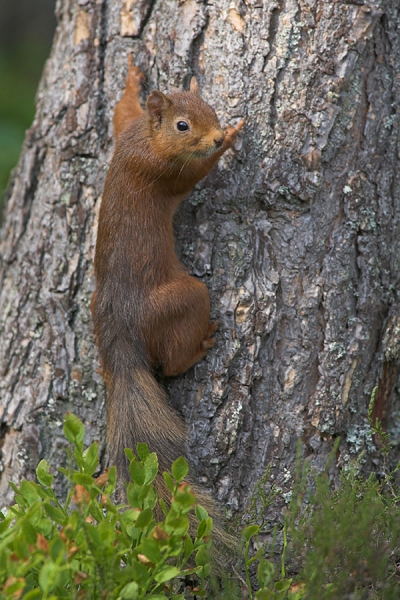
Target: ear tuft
point(156, 103)
point(194, 86)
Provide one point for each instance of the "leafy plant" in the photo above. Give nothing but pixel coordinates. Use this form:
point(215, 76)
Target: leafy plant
point(339, 543)
point(347, 540)
point(90, 547)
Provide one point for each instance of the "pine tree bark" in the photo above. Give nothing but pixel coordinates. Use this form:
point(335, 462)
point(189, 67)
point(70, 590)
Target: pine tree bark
point(296, 234)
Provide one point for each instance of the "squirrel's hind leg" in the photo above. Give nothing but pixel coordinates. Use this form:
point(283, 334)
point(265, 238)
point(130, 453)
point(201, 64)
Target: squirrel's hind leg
point(128, 108)
point(179, 358)
point(182, 329)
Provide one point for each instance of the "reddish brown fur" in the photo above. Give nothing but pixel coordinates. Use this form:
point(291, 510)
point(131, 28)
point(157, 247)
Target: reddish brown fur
point(147, 310)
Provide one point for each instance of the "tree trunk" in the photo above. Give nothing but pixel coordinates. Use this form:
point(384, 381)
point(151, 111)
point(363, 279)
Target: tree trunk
point(296, 234)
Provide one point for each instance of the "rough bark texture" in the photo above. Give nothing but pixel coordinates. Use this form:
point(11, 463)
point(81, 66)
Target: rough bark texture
point(296, 234)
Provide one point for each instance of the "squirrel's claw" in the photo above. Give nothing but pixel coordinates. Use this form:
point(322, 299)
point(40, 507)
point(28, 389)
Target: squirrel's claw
point(231, 134)
point(135, 77)
point(240, 125)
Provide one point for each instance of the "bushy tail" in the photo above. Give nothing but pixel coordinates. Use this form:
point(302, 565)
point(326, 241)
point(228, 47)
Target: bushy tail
point(138, 411)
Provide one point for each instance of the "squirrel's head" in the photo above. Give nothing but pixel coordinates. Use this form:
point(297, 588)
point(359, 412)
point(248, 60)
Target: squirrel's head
point(183, 125)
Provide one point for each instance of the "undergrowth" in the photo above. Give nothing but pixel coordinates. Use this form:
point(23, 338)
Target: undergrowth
point(339, 544)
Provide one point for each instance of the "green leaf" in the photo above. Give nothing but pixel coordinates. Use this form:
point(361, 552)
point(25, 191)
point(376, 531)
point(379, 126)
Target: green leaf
point(163, 506)
point(265, 594)
point(188, 547)
point(185, 500)
point(91, 458)
point(107, 533)
point(49, 576)
point(56, 549)
point(151, 548)
point(44, 526)
point(201, 513)
point(168, 480)
point(206, 571)
point(93, 533)
point(29, 532)
point(74, 430)
point(260, 552)
point(177, 525)
point(96, 512)
point(151, 498)
point(250, 531)
point(33, 594)
point(43, 475)
point(4, 525)
point(112, 476)
point(78, 457)
point(283, 585)
point(21, 546)
point(136, 470)
point(55, 513)
point(130, 591)
point(128, 517)
point(195, 570)
point(142, 450)
point(204, 528)
point(144, 492)
point(265, 572)
point(202, 557)
point(144, 518)
point(82, 479)
point(132, 493)
point(28, 491)
point(13, 487)
point(180, 469)
point(166, 573)
point(129, 454)
point(150, 468)
point(46, 493)
point(133, 532)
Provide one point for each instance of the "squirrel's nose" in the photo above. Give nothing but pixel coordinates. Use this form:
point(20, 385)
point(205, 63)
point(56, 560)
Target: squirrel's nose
point(219, 141)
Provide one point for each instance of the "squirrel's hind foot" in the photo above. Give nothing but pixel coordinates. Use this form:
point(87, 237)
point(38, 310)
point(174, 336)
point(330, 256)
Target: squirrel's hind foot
point(209, 341)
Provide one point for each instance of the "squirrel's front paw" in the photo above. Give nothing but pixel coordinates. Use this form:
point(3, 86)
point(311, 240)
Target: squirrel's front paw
point(231, 134)
point(135, 76)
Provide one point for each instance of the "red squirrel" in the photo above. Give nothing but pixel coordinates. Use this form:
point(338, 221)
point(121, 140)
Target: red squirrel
point(148, 311)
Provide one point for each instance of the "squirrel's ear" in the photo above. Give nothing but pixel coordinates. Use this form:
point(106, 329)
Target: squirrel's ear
point(194, 86)
point(156, 103)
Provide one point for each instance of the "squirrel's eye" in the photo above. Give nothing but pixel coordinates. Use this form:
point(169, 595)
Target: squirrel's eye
point(182, 126)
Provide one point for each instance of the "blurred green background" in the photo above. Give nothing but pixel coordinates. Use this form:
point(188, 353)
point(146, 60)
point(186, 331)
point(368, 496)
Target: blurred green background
point(26, 32)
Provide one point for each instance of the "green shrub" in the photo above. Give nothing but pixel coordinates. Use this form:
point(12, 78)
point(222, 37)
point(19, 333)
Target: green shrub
point(89, 547)
point(341, 544)
point(347, 540)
